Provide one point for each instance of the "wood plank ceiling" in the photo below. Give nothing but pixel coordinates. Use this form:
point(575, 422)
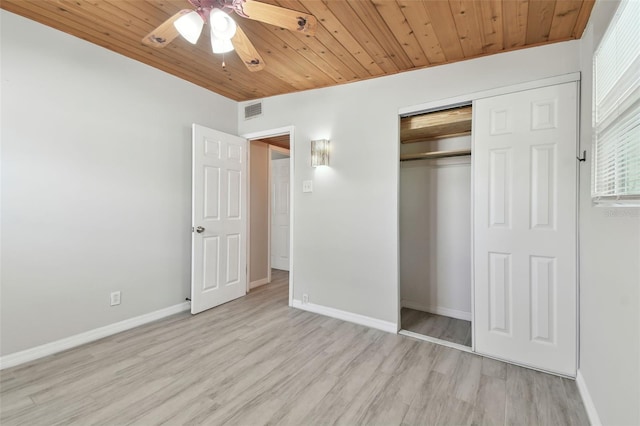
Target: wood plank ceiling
point(355, 40)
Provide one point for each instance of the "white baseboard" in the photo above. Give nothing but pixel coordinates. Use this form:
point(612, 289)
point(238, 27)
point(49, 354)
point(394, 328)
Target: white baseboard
point(17, 358)
point(258, 283)
point(438, 310)
point(387, 326)
point(589, 406)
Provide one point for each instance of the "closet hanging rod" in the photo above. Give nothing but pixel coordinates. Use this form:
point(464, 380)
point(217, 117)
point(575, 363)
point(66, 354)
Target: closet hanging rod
point(435, 154)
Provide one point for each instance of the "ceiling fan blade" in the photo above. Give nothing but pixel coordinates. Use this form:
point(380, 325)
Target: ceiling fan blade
point(165, 33)
point(280, 17)
point(247, 51)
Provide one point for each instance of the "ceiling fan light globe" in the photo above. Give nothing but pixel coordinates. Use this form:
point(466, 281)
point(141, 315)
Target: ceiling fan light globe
point(190, 26)
point(220, 45)
point(222, 25)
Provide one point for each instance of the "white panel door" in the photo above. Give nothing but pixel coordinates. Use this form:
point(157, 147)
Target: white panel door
point(218, 258)
point(525, 173)
point(280, 214)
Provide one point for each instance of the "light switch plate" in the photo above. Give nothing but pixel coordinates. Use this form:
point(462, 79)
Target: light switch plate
point(307, 186)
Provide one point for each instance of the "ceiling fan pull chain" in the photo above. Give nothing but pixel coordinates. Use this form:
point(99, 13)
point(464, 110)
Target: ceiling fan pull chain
point(224, 66)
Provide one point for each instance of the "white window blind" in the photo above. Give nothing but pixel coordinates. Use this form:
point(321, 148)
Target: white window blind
point(616, 120)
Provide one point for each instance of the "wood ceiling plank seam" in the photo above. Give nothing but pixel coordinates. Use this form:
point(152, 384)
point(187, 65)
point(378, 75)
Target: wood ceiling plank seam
point(516, 15)
point(167, 8)
point(310, 55)
point(564, 19)
point(295, 66)
point(492, 31)
point(140, 19)
point(419, 20)
point(180, 51)
point(583, 18)
point(324, 44)
point(398, 25)
point(352, 23)
point(327, 19)
point(42, 12)
point(468, 26)
point(358, 71)
point(442, 21)
point(147, 11)
point(539, 20)
point(382, 32)
point(284, 65)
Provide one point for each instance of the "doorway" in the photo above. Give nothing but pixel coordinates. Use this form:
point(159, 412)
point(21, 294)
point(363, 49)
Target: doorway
point(270, 209)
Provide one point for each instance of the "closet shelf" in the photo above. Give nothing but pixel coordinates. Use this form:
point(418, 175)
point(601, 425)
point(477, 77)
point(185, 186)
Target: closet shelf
point(435, 154)
point(436, 125)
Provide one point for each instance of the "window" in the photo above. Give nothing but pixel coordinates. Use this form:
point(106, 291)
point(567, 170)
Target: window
point(616, 121)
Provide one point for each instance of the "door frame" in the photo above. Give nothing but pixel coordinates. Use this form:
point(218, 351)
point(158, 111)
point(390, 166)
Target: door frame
point(453, 101)
point(290, 130)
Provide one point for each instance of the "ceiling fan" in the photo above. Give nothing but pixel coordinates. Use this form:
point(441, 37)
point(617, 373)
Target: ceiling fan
point(225, 34)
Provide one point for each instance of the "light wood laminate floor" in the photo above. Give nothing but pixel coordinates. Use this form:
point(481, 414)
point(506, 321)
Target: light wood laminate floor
point(438, 326)
point(256, 361)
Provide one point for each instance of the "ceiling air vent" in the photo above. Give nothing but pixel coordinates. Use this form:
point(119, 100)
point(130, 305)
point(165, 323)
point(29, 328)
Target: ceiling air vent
point(253, 110)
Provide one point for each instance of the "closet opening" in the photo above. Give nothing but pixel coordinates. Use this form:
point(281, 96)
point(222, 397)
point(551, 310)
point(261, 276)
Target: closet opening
point(435, 226)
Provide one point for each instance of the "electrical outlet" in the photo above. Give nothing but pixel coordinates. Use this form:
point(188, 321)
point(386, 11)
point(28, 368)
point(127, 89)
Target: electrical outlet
point(305, 298)
point(115, 298)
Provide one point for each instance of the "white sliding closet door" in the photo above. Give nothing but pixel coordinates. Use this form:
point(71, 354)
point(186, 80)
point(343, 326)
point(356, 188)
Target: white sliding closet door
point(525, 173)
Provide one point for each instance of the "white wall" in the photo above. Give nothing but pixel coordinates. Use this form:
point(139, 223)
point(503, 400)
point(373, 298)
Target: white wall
point(259, 215)
point(96, 177)
point(346, 232)
point(435, 230)
point(609, 274)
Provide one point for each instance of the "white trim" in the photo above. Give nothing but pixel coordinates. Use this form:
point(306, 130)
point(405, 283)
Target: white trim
point(472, 274)
point(51, 348)
point(269, 133)
point(292, 184)
point(248, 194)
point(435, 340)
point(589, 406)
point(269, 195)
point(387, 326)
point(438, 310)
point(465, 99)
point(278, 132)
point(258, 283)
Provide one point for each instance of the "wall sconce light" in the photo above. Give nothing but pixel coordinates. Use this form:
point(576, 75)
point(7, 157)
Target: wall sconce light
point(320, 153)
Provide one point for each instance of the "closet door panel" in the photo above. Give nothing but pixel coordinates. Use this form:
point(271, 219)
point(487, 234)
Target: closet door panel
point(525, 173)
point(500, 188)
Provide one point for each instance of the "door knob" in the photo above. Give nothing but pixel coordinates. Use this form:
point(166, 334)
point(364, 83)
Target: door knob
point(199, 229)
